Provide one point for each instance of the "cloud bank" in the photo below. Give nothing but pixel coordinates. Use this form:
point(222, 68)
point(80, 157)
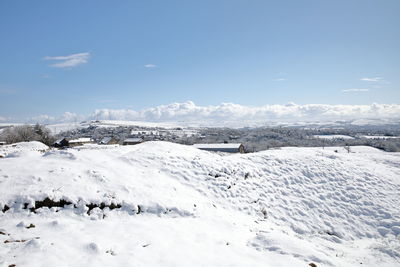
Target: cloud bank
point(70, 60)
point(230, 114)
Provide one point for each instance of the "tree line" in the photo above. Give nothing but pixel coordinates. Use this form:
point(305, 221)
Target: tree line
point(26, 133)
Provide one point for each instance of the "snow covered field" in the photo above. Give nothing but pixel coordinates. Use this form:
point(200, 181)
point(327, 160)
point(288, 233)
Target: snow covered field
point(60, 127)
point(164, 204)
point(333, 136)
point(339, 149)
point(379, 137)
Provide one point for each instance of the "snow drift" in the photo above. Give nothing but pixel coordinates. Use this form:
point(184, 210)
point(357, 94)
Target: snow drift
point(166, 204)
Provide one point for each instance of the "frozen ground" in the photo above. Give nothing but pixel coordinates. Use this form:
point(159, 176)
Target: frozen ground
point(164, 204)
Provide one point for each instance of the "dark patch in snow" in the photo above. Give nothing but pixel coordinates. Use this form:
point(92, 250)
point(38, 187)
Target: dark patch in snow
point(30, 226)
point(102, 206)
point(264, 212)
point(49, 203)
point(139, 210)
point(333, 234)
point(5, 208)
point(111, 252)
point(57, 206)
point(19, 240)
point(15, 241)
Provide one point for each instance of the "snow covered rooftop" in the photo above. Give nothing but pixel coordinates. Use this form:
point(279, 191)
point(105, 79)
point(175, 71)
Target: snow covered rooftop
point(133, 140)
point(81, 140)
point(106, 140)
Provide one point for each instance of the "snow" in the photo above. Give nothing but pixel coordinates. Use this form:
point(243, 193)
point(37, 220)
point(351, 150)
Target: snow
point(379, 137)
point(116, 123)
point(67, 126)
point(57, 128)
point(334, 136)
point(180, 206)
point(133, 140)
point(22, 148)
point(81, 140)
point(230, 145)
point(338, 149)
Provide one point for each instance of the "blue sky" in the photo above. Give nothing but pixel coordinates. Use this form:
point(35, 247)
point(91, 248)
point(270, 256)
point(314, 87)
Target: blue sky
point(77, 56)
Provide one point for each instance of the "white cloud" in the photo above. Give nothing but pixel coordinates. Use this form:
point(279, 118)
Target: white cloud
point(70, 60)
point(279, 80)
point(2, 119)
point(150, 66)
point(355, 90)
point(372, 79)
point(234, 114)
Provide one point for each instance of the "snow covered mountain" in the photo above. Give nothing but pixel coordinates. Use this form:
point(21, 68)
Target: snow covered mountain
point(164, 204)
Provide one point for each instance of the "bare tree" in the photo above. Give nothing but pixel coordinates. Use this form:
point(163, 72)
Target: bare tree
point(25, 133)
point(19, 134)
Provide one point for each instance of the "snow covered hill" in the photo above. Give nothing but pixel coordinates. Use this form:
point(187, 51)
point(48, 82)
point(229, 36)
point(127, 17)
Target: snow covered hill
point(164, 204)
point(60, 127)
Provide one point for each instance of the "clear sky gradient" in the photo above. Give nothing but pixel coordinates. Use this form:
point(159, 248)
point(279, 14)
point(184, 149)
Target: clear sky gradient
point(77, 56)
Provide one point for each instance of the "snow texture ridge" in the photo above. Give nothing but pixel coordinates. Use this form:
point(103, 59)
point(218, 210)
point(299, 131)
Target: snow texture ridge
point(279, 207)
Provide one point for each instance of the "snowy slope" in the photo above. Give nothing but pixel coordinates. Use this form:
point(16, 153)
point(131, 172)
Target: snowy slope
point(23, 148)
point(163, 204)
point(333, 136)
point(60, 127)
